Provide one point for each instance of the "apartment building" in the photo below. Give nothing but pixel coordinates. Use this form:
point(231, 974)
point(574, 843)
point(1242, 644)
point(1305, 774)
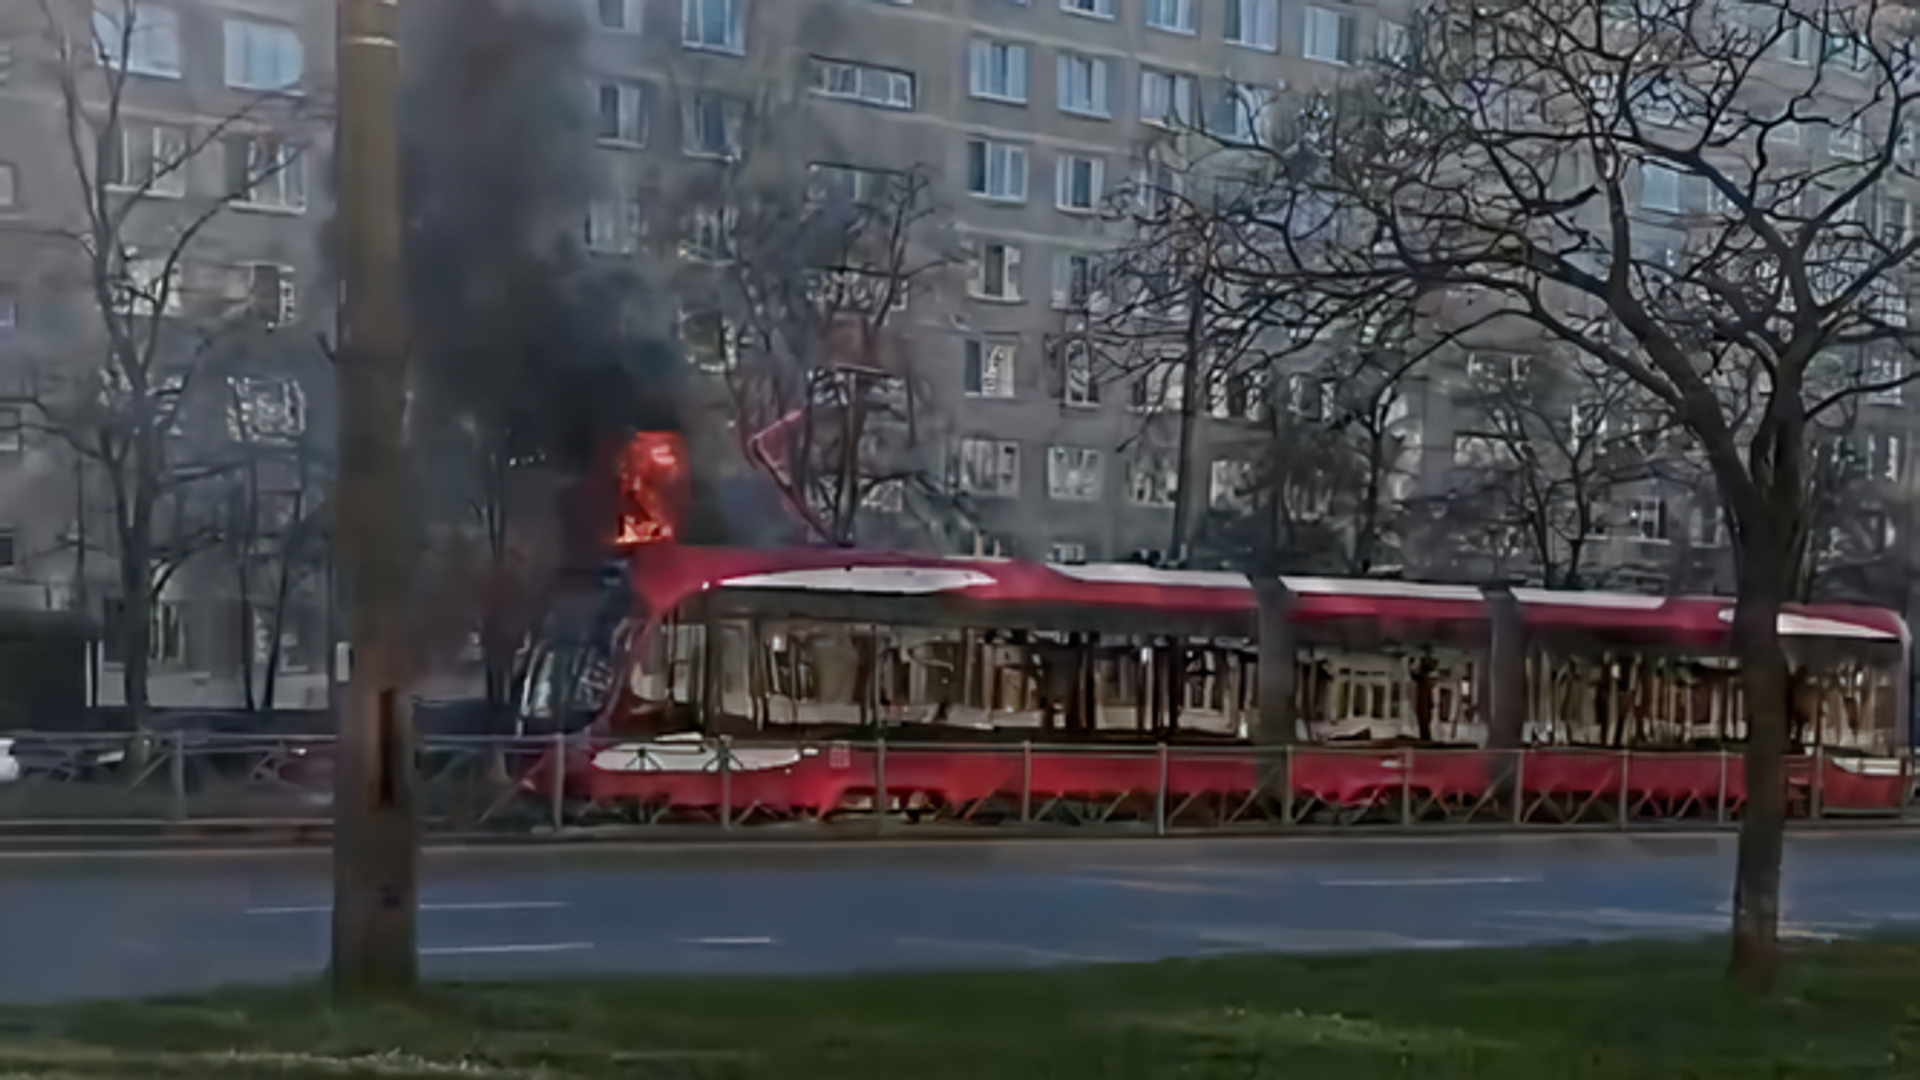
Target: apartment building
point(201, 129)
point(1025, 116)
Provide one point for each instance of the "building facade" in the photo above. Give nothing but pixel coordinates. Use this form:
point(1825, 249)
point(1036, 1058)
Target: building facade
point(192, 138)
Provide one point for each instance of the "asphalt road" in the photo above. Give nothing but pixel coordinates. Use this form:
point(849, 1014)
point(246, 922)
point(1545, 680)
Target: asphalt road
point(142, 924)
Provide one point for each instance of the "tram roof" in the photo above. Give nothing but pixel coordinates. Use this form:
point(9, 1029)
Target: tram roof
point(665, 576)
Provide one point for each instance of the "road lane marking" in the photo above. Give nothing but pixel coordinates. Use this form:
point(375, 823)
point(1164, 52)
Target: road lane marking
point(727, 941)
point(1183, 888)
point(507, 950)
point(1423, 883)
point(483, 905)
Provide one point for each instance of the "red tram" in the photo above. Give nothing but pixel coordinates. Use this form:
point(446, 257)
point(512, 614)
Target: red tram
point(793, 649)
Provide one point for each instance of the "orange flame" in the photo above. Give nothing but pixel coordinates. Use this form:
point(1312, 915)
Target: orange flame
point(653, 474)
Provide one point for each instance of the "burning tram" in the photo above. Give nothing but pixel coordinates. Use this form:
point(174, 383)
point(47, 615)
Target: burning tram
point(789, 650)
point(822, 643)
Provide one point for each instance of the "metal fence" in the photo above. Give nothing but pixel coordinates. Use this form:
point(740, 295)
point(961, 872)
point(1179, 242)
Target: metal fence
point(543, 785)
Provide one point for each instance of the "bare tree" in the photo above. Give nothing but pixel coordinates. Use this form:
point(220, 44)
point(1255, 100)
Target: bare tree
point(160, 314)
point(1685, 192)
point(815, 280)
point(1550, 443)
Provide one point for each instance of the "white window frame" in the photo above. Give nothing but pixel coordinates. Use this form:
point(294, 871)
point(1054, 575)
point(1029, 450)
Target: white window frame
point(1170, 16)
point(1012, 170)
point(694, 23)
point(1392, 42)
point(880, 87)
point(989, 368)
point(1161, 387)
point(1066, 553)
point(9, 186)
point(614, 226)
point(1092, 9)
point(633, 15)
point(151, 22)
point(1078, 390)
point(242, 37)
point(1229, 486)
point(1259, 24)
point(13, 430)
point(1007, 288)
point(1070, 267)
point(1084, 85)
point(989, 467)
point(275, 176)
point(1074, 473)
point(1153, 480)
point(1659, 188)
point(1322, 27)
point(265, 409)
point(999, 71)
point(695, 112)
point(1886, 368)
point(1067, 173)
point(632, 119)
point(1175, 89)
point(164, 180)
point(1654, 508)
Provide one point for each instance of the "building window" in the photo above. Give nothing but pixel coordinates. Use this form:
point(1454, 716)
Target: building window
point(1328, 36)
point(995, 272)
point(997, 70)
point(9, 545)
point(710, 126)
point(622, 113)
point(265, 172)
point(1100, 9)
point(148, 288)
point(1492, 369)
point(1073, 473)
point(1230, 486)
point(1237, 395)
point(1166, 99)
point(1650, 518)
point(621, 16)
point(9, 185)
point(13, 430)
point(711, 341)
point(997, 170)
point(860, 187)
point(151, 44)
point(1391, 42)
point(263, 56)
point(1659, 189)
point(720, 25)
point(143, 158)
point(1074, 279)
point(1174, 15)
point(1234, 112)
point(614, 226)
point(1152, 480)
point(885, 87)
point(709, 235)
point(990, 467)
point(1079, 182)
point(272, 294)
point(1161, 387)
point(1083, 85)
point(1078, 386)
point(166, 633)
point(265, 409)
point(1254, 23)
point(1886, 374)
point(988, 369)
point(1067, 553)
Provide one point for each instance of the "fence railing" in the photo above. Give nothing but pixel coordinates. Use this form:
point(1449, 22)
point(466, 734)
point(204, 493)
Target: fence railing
point(547, 783)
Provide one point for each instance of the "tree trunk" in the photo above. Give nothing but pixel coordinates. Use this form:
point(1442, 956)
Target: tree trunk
point(1763, 673)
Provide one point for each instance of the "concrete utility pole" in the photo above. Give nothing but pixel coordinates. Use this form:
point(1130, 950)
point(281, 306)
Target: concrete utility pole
point(375, 836)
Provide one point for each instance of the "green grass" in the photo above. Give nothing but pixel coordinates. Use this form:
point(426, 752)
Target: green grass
point(1640, 1012)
